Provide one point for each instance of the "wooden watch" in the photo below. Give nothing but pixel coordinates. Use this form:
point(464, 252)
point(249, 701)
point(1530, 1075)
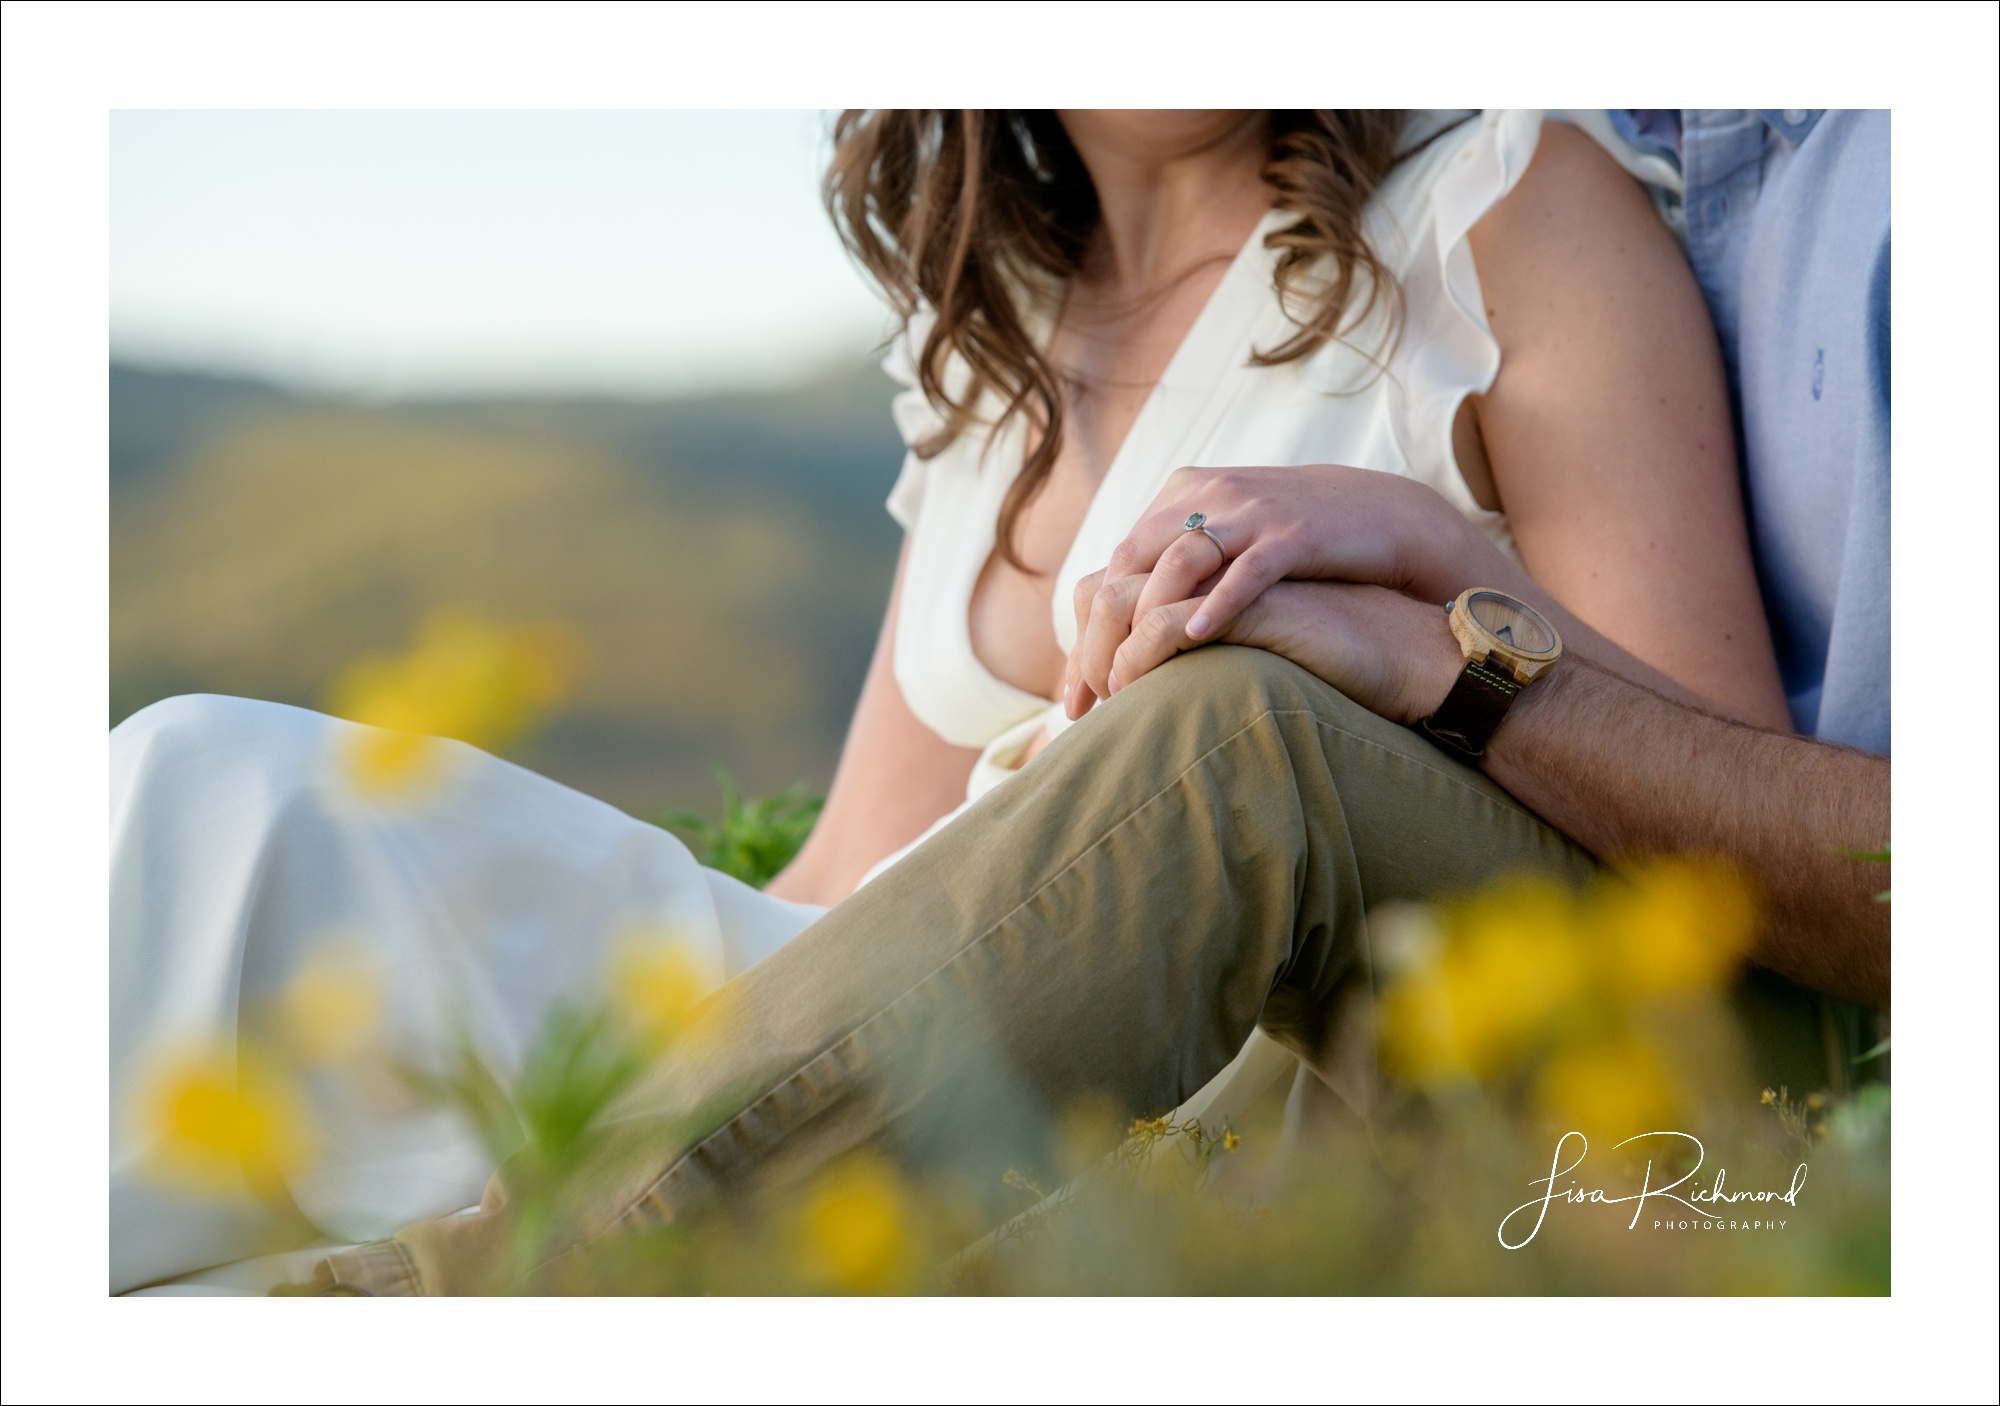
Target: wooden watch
point(1507, 646)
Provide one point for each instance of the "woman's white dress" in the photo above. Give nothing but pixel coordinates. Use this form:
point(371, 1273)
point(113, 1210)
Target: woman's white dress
point(239, 849)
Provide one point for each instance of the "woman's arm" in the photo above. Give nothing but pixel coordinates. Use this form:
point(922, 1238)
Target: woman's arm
point(1606, 437)
point(895, 777)
point(1607, 432)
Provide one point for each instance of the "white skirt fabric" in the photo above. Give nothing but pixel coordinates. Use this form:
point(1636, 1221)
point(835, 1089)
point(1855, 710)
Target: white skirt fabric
point(241, 848)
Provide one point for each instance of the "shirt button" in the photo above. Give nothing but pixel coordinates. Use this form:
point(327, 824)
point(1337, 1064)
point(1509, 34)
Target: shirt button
point(1794, 116)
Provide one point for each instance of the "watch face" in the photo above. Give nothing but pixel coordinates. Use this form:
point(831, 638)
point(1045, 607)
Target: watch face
point(1511, 622)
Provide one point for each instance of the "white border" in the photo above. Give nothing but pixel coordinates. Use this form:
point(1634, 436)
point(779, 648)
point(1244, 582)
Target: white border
point(66, 65)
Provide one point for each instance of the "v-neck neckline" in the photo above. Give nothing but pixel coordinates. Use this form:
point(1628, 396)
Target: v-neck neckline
point(1209, 350)
point(1215, 346)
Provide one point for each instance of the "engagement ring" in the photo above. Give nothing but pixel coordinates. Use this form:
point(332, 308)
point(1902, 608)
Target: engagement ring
point(1198, 522)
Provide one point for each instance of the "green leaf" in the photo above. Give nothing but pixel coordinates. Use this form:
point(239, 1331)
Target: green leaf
point(578, 1064)
point(467, 1084)
point(756, 838)
point(1875, 1053)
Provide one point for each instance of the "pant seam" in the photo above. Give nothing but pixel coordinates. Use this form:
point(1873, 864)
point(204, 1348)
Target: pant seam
point(1418, 760)
point(833, 1047)
point(845, 1040)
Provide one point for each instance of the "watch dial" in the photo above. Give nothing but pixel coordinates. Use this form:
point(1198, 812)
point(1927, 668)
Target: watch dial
point(1511, 622)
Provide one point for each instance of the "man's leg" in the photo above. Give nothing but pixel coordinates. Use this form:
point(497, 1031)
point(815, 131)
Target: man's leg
point(1195, 856)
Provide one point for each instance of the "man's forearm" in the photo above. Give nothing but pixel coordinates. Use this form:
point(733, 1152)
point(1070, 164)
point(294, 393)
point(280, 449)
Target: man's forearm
point(1626, 768)
point(1624, 771)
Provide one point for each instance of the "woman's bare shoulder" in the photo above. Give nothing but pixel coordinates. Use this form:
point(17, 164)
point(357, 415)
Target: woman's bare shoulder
point(1576, 261)
point(1575, 215)
point(1607, 427)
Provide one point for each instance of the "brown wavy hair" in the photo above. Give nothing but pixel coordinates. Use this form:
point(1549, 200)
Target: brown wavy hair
point(975, 213)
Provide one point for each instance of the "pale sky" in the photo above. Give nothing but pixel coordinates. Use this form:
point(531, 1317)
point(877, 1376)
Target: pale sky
point(411, 253)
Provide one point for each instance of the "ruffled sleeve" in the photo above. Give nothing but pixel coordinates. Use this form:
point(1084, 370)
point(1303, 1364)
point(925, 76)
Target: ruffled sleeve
point(1447, 350)
point(916, 421)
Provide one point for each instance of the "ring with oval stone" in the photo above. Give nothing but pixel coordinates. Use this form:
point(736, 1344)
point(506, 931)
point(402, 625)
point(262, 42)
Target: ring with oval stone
point(1198, 522)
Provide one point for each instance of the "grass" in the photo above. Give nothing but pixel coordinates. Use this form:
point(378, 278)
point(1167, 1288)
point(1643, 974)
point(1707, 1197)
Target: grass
point(755, 839)
point(1515, 1023)
point(1446, 1188)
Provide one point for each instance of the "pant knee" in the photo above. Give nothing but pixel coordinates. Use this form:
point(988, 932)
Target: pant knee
point(1237, 681)
point(1205, 695)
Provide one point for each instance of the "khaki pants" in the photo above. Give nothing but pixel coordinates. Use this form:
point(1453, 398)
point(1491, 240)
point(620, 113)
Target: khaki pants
point(1194, 859)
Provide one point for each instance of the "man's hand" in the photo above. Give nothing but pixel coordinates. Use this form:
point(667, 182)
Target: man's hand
point(1620, 767)
point(1324, 522)
point(1393, 655)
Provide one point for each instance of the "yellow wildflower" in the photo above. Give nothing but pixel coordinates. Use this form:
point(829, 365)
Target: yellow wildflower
point(331, 1008)
point(1230, 1142)
point(213, 1121)
point(1086, 1128)
point(1677, 926)
point(658, 977)
point(1021, 1181)
point(1613, 1089)
point(1510, 964)
point(382, 762)
point(856, 1230)
point(465, 678)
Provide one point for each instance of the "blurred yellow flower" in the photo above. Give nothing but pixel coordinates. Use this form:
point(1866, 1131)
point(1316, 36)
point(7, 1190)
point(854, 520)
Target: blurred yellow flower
point(1086, 1128)
point(1021, 1181)
point(1511, 961)
point(333, 1005)
point(213, 1121)
point(856, 1231)
point(464, 677)
point(383, 763)
point(1676, 926)
point(657, 978)
point(1609, 1089)
point(1526, 968)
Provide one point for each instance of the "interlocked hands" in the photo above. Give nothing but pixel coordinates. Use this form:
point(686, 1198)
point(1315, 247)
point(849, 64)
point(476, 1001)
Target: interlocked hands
point(1343, 571)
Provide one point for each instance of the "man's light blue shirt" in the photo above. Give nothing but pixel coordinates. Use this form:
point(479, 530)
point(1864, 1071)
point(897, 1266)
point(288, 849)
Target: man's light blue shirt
point(1785, 215)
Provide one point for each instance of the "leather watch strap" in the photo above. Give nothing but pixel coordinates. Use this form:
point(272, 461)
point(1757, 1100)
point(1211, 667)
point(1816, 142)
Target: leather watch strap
point(1473, 709)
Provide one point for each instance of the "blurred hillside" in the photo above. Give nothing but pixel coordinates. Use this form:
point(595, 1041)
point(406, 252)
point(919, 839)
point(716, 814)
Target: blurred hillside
point(724, 562)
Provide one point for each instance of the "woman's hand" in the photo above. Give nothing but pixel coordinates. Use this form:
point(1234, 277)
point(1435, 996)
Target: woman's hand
point(1322, 522)
point(1606, 437)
